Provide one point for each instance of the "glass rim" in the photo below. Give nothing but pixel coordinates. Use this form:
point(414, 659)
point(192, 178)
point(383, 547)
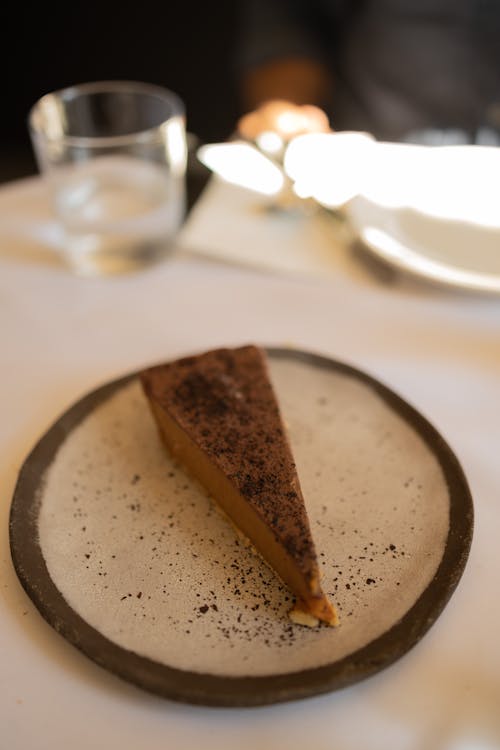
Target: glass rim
point(68, 93)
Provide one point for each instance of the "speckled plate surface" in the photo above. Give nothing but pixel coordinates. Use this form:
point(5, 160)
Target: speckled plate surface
point(128, 559)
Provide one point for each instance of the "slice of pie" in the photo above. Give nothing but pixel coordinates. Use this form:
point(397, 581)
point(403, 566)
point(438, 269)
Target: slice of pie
point(218, 416)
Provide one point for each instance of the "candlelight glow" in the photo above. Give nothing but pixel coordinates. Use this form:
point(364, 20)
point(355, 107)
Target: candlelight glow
point(244, 165)
point(290, 122)
point(270, 142)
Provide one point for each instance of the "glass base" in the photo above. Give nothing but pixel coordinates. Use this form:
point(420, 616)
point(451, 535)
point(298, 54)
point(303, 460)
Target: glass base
point(102, 258)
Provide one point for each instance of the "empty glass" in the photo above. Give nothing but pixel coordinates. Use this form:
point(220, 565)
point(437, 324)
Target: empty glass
point(114, 154)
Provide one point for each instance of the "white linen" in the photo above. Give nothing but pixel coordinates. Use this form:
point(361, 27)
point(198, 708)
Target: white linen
point(440, 349)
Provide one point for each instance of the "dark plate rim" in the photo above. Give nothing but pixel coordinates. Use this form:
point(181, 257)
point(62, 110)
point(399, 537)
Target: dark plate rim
point(212, 690)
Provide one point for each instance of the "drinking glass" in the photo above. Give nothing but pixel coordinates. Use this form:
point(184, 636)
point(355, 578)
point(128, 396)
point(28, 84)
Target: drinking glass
point(114, 155)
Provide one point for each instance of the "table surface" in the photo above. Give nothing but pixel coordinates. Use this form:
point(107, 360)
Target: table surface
point(290, 282)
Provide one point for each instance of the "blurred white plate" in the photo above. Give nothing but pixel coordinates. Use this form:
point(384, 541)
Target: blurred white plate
point(434, 212)
point(449, 251)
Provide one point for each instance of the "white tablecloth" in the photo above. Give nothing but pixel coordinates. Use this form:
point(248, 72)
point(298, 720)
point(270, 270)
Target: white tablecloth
point(292, 283)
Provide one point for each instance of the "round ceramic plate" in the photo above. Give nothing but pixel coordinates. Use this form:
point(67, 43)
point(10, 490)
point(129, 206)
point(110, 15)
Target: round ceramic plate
point(433, 211)
point(456, 253)
point(128, 559)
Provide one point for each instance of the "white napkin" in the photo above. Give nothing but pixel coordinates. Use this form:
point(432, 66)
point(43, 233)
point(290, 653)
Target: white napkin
point(240, 226)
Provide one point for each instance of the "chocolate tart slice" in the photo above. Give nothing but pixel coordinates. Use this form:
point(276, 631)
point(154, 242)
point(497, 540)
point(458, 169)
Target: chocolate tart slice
point(218, 415)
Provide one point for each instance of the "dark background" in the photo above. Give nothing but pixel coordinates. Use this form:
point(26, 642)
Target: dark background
point(185, 46)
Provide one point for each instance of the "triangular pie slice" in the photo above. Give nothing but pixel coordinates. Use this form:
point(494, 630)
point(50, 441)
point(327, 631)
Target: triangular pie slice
point(218, 415)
